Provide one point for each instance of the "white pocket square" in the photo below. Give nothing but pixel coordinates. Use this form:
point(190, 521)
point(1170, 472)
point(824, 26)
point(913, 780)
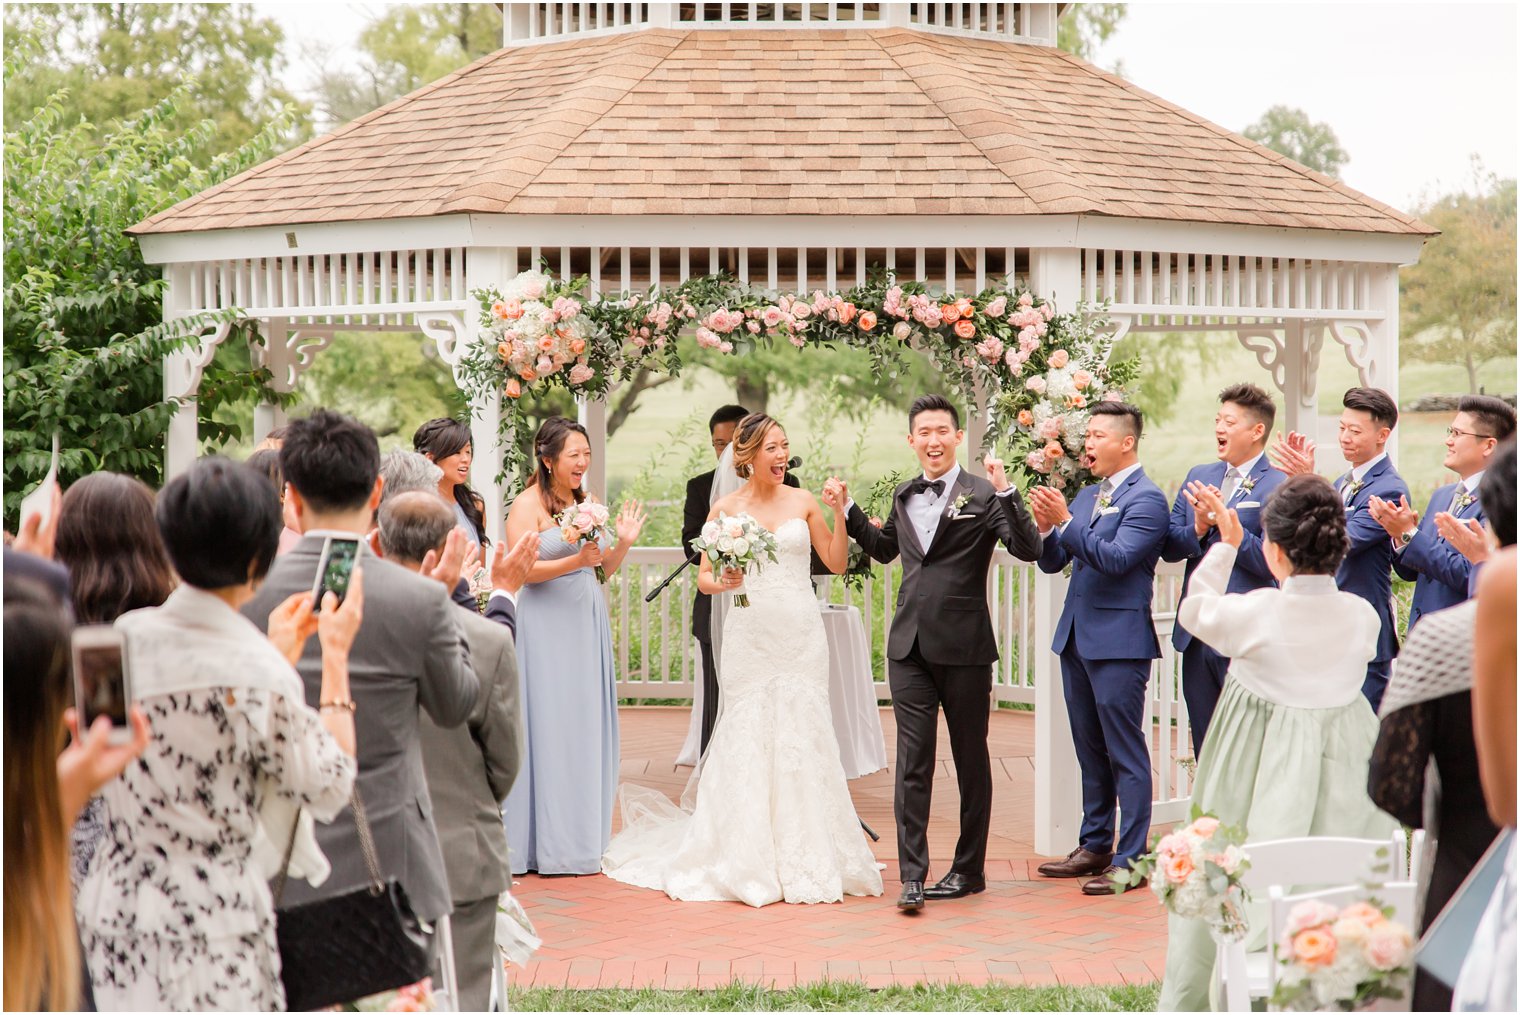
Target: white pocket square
point(963, 514)
point(1108, 511)
point(1248, 503)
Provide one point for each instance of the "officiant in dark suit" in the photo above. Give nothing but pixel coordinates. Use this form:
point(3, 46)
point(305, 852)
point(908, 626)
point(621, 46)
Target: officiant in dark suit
point(945, 524)
point(720, 426)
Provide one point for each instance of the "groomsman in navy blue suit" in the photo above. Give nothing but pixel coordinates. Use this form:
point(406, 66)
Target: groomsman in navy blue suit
point(1367, 421)
point(1242, 477)
point(1112, 537)
point(1421, 553)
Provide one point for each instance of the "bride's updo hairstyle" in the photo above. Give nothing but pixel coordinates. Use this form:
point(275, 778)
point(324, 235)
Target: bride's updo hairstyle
point(1305, 516)
point(548, 444)
point(749, 437)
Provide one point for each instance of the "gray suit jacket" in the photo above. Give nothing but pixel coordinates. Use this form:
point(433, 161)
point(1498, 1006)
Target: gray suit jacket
point(470, 768)
point(410, 650)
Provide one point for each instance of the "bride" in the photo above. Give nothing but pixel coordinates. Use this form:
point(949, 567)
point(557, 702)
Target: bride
point(768, 815)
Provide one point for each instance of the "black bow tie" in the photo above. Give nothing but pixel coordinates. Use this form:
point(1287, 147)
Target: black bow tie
point(919, 485)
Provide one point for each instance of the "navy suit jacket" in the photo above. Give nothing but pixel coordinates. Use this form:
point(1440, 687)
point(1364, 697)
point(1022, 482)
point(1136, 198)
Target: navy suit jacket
point(1182, 542)
point(1368, 569)
point(1113, 559)
point(1440, 573)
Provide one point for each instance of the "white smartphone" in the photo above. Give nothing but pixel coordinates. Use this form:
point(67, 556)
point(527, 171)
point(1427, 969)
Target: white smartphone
point(334, 568)
point(102, 686)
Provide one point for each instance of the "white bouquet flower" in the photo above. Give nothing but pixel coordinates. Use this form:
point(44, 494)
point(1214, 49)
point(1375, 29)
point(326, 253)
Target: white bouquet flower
point(1341, 959)
point(735, 541)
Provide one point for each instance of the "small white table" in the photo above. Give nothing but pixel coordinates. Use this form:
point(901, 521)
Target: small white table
point(852, 693)
point(852, 697)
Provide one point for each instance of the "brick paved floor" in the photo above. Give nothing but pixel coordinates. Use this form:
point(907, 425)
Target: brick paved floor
point(1023, 929)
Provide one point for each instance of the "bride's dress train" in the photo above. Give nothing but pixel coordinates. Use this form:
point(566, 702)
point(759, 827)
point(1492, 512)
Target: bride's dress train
point(772, 819)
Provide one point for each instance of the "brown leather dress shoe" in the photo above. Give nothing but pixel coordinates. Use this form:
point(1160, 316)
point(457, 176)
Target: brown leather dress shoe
point(1079, 863)
point(1103, 884)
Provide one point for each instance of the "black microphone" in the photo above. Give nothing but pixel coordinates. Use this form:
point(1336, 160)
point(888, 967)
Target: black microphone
point(794, 462)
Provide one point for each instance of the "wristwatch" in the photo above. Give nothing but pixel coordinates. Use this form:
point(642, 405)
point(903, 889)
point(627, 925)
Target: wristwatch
point(1407, 536)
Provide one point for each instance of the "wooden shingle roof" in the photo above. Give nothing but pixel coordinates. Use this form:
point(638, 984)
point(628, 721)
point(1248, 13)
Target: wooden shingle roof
point(851, 122)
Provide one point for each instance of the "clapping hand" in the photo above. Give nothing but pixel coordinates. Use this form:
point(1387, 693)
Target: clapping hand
point(509, 570)
point(1293, 454)
point(997, 474)
point(630, 522)
point(1468, 537)
point(90, 760)
point(1396, 519)
point(1203, 518)
point(1048, 507)
point(447, 566)
point(291, 624)
point(1230, 529)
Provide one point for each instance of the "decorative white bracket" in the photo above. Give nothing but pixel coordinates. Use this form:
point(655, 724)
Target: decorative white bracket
point(447, 330)
point(183, 370)
point(1314, 341)
point(1356, 338)
point(1271, 352)
point(290, 354)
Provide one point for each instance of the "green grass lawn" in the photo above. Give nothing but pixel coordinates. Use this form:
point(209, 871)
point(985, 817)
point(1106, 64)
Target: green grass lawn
point(670, 426)
point(842, 996)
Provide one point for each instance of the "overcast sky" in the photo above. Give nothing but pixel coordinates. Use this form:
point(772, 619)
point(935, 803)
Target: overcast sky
point(1412, 90)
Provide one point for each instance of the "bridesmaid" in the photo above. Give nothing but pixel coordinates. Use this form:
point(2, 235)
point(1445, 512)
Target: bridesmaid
point(559, 813)
point(447, 443)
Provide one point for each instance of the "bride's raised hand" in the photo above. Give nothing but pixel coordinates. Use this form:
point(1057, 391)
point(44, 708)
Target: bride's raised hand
point(630, 522)
point(833, 495)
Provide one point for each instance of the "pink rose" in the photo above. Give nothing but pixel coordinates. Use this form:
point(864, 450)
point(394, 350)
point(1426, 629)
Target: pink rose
point(725, 347)
point(549, 317)
point(801, 310)
point(1177, 867)
point(1025, 299)
point(1387, 947)
point(581, 373)
point(546, 343)
point(997, 306)
point(511, 309)
point(1310, 913)
point(901, 330)
point(1081, 379)
point(545, 365)
point(533, 288)
point(499, 310)
point(1047, 311)
point(1205, 826)
point(1050, 429)
point(566, 308)
point(1060, 358)
point(772, 316)
point(1036, 384)
point(753, 327)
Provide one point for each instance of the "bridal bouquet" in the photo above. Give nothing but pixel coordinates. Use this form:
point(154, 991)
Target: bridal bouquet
point(1340, 959)
point(582, 523)
point(1196, 872)
point(735, 541)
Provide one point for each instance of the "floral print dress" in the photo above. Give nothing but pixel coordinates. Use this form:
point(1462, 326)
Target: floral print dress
point(172, 913)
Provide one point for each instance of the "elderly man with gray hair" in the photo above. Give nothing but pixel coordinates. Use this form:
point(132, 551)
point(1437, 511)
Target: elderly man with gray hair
point(469, 768)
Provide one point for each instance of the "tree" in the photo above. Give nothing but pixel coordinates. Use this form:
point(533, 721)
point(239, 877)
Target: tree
point(118, 59)
point(1083, 27)
point(1459, 300)
point(404, 48)
point(83, 314)
point(391, 381)
point(1288, 131)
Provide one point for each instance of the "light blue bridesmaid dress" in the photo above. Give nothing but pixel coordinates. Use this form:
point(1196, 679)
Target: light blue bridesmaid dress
point(559, 813)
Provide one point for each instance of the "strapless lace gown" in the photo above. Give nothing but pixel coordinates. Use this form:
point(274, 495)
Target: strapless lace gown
point(772, 820)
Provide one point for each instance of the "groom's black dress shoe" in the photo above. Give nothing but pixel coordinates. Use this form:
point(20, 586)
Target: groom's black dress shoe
point(1079, 863)
point(955, 886)
point(912, 897)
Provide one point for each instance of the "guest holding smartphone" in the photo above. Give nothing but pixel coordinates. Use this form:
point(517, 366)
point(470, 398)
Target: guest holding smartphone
point(175, 912)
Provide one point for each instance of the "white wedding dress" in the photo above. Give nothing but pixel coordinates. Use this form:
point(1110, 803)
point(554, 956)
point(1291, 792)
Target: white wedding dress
point(772, 818)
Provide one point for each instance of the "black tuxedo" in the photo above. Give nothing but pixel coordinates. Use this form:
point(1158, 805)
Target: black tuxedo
point(940, 653)
point(698, 507)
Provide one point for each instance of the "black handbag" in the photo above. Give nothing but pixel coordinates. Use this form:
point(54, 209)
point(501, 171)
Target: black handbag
point(349, 946)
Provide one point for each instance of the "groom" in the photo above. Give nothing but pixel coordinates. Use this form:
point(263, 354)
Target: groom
point(941, 648)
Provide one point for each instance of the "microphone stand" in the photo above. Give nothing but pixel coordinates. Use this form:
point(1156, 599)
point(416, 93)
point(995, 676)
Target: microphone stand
point(672, 576)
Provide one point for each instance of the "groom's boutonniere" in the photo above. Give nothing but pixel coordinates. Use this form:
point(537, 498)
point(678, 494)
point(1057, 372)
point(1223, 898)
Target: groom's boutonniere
point(958, 503)
point(1462, 499)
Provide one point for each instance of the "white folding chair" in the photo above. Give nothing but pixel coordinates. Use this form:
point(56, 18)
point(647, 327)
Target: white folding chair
point(1398, 895)
point(498, 1000)
point(446, 995)
point(1309, 862)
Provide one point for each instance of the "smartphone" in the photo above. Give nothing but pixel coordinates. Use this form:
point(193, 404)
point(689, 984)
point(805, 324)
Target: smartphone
point(102, 686)
point(335, 568)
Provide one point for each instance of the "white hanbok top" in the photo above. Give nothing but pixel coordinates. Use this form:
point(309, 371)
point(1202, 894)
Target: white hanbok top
point(1306, 644)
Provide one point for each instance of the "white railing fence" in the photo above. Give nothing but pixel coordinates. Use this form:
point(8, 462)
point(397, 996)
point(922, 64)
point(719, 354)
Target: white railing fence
point(657, 659)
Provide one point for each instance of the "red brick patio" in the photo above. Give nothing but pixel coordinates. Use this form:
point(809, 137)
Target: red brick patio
point(1023, 929)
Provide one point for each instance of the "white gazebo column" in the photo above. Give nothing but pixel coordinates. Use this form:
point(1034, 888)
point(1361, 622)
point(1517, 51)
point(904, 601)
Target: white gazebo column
point(181, 381)
point(593, 416)
point(1383, 338)
point(1300, 383)
point(1056, 275)
point(485, 266)
point(276, 356)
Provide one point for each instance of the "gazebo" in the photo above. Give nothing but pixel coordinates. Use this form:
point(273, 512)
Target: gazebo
point(795, 146)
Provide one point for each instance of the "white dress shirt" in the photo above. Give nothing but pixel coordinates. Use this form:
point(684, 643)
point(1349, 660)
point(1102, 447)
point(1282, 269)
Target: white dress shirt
point(925, 509)
point(1244, 471)
point(1358, 474)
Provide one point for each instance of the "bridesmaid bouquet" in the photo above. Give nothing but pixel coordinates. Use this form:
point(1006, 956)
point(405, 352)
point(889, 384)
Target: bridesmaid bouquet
point(1196, 873)
point(1334, 959)
point(582, 523)
point(735, 541)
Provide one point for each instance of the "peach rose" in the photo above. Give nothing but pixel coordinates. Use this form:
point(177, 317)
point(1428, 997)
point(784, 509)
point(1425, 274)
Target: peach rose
point(577, 346)
point(965, 329)
point(1060, 358)
point(546, 343)
point(1081, 379)
point(511, 310)
point(1364, 912)
point(1177, 867)
point(503, 350)
point(1314, 947)
point(1205, 826)
point(902, 330)
point(1026, 418)
point(513, 389)
point(847, 313)
point(867, 321)
point(950, 312)
point(499, 310)
point(1076, 401)
point(964, 306)
point(528, 374)
point(1053, 451)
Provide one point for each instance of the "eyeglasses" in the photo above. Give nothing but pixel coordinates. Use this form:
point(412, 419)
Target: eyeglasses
point(1452, 431)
